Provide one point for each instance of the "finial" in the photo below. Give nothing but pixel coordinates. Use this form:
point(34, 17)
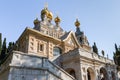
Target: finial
point(77, 23)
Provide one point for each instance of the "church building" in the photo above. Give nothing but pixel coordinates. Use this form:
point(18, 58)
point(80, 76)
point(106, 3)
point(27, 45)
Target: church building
point(47, 52)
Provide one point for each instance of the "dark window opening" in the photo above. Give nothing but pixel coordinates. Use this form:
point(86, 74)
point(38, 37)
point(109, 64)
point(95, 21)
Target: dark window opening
point(41, 47)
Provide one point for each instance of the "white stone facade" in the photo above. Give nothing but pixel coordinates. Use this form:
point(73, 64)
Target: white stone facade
point(82, 61)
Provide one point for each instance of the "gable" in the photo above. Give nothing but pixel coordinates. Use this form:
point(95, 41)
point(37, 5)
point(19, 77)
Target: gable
point(71, 40)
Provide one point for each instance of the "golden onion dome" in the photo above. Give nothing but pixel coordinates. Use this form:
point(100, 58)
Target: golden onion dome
point(50, 15)
point(77, 23)
point(44, 11)
point(36, 21)
point(57, 19)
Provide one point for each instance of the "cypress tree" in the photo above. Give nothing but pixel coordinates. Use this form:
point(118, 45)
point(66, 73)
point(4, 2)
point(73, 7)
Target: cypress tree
point(10, 46)
point(0, 43)
point(116, 55)
point(0, 46)
point(95, 49)
point(116, 48)
point(4, 49)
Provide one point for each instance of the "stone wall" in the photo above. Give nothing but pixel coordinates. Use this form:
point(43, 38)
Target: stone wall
point(18, 73)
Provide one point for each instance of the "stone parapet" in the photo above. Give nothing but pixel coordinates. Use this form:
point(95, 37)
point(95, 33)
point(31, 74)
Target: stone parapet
point(95, 57)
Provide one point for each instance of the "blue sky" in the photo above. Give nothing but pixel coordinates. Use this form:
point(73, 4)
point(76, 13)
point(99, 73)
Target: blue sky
point(99, 18)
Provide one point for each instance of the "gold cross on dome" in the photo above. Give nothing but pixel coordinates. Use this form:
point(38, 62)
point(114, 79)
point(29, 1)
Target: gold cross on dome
point(46, 5)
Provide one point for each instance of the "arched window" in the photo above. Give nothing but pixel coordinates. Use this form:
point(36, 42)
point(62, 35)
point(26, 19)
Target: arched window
point(56, 51)
point(90, 74)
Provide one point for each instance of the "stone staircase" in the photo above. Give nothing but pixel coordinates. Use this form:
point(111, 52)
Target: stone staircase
point(23, 66)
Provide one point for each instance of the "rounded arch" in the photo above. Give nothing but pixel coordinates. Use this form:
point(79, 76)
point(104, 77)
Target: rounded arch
point(57, 51)
point(103, 74)
point(56, 46)
point(113, 75)
point(90, 74)
point(71, 72)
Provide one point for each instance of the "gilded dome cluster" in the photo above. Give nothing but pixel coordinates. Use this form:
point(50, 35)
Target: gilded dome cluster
point(46, 14)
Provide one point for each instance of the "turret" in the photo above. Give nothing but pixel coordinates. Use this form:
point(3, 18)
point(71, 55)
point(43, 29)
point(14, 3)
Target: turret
point(77, 24)
point(79, 34)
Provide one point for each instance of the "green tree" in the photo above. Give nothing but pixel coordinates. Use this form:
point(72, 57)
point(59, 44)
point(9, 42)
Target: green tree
point(10, 46)
point(0, 43)
point(4, 49)
point(95, 49)
point(116, 48)
point(116, 55)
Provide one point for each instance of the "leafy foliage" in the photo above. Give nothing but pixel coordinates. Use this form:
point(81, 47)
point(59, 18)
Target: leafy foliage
point(95, 49)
